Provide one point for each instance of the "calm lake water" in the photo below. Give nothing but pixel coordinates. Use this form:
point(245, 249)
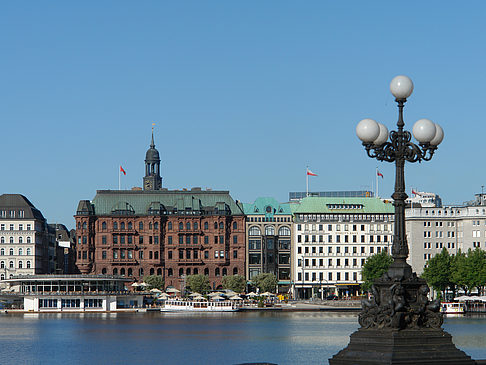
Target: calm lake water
point(166, 338)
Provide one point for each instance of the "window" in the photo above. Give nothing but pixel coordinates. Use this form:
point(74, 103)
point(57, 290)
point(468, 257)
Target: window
point(221, 225)
point(235, 239)
point(206, 254)
point(188, 226)
point(21, 252)
point(28, 264)
point(216, 272)
point(11, 240)
point(181, 226)
point(11, 252)
point(140, 226)
point(235, 254)
point(254, 258)
point(254, 231)
point(28, 239)
point(270, 231)
point(206, 225)
point(103, 255)
point(235, 225)
point(206, 240)
point(103, 240)
point(195, 225)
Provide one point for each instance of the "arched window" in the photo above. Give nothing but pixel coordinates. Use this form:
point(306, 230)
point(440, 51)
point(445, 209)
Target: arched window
point(84, 225)
point(188, 226)
point(140, 226)
point(159, 271)
point(28, 239)
point(156, 255)
point(221, 225)
point(103, 270)
point(284, 231)
point(181, 226)
point(21, 252)
point(254, 231)
point(156, 225)
point(269, 231)
point(122, 226)
point(206, 271)
point(28, 264)
point(11, 252)
point(2, 277)
point(195, 226)
point(122, 271)
point(235, 271)
point(235, 225)
point(150, 225)
point(2, 240)
point(115, 271)
point(115, 225)
point(225, 272)
point(215, 225)
point(2, 264)
point(216, 272)
point(21, 240)
point(79, 225)
point(206, 225)
point(181, 271)
point(103, 226)
point(140, 272)
point(196, 271)
point(28, 251)
point(2, 252)
point(130, 225)
point(130, 271)
point(11, 240)
point(11, 264)
point(170, 272)
point(21, 264)
point(152, 271)
point(169, 226)
point(188, 271)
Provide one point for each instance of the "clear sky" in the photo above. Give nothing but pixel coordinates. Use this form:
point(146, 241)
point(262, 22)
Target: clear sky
point(245, 95)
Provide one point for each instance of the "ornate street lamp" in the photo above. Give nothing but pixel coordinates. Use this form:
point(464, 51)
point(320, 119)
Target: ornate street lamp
point(399, 325)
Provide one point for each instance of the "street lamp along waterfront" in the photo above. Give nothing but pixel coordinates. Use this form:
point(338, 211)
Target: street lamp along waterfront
point(399, 325)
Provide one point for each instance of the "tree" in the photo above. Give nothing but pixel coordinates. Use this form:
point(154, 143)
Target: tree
point(237, 283)
point(154, 282)
point(438, 271)
point(374, 267)
point(477, 265)
point(265, 282)
point(198, 283)
point(461, 273)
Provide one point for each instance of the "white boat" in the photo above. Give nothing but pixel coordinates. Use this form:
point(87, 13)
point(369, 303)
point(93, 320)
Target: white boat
point(452, 308)
point(193, 306)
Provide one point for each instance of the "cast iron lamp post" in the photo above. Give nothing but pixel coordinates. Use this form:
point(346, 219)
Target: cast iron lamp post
point(399, 325)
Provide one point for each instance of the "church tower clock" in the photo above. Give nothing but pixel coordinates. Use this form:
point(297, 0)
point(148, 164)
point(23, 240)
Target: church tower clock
point(152, 179)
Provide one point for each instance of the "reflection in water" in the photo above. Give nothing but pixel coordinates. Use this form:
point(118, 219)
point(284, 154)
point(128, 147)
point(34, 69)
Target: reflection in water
point(193, 338)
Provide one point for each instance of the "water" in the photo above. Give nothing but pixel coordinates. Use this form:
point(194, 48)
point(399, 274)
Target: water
point(167, 338)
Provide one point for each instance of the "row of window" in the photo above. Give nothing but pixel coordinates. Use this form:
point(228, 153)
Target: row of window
point(11, 227)
point(269, 231)
point(281, 273)
point(330, 263)
point(170, 271)
point(20, 264)
point(129, 226)
point(12, 213)
point(344, 227)
point(428, 245)
point(258, 259)
point(11, 251)
point(319, 277)
point(268, 219)
point(70, 303)
point(344, 217)
point(11, 240)
point(339, 249)
point(345, 238)
point(129, 239)
point(256, 244)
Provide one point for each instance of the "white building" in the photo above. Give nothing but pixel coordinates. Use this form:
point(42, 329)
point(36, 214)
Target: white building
point(24, 238)
point(430, 229)
point(332, 239)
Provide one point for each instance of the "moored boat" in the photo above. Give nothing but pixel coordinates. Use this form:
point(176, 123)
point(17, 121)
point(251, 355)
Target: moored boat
point(452, 308)
point(198, 306)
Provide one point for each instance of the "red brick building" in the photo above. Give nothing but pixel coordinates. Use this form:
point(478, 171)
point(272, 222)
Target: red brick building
point(156, 231)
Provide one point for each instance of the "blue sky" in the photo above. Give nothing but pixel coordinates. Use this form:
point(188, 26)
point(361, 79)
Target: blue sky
point(244, 94)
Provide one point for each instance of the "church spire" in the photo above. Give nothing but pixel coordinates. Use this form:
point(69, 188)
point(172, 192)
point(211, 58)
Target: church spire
point(152, 144)
point(152, 179)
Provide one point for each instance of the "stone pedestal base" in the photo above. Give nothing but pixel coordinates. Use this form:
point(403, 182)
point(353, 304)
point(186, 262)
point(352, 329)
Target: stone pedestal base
point(407, 347)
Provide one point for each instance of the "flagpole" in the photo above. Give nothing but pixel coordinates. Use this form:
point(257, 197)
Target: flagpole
point(307, 181)
point(119, 179)
point(377, 183)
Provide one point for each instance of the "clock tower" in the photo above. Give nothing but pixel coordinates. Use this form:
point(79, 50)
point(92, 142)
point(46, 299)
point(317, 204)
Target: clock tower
point(152, 179)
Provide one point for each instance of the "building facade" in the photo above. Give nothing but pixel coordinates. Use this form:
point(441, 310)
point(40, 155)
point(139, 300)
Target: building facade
point(333, 237)
point(431, 229)
point(269, 240)
point(26, 242)
point(163, 232)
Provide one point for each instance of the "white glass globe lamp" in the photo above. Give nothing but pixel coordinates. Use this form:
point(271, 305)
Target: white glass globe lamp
point(424, 130)
point(401, 87)
point(368, 130)
point(383, 136)
point(439, 135)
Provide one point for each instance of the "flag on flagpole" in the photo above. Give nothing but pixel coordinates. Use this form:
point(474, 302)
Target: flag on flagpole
point(378, 173)
point(121, 170)
point(415, 193)
point(310, 173)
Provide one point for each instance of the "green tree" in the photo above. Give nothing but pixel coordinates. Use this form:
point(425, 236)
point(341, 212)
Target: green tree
point(198, 283)
point(477, 265)
point(154, 282)
point(461, 272)
point(438, 271)
point(237, 283)
point(265, 282)
point(374, 267)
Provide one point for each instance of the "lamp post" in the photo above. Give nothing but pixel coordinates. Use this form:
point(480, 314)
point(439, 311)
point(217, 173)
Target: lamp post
point(399, 325)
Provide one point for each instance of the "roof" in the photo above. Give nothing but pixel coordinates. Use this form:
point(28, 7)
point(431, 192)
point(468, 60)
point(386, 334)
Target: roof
point(344, 205)
point(268, 206)
point(143, 202)
point(13, 203)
